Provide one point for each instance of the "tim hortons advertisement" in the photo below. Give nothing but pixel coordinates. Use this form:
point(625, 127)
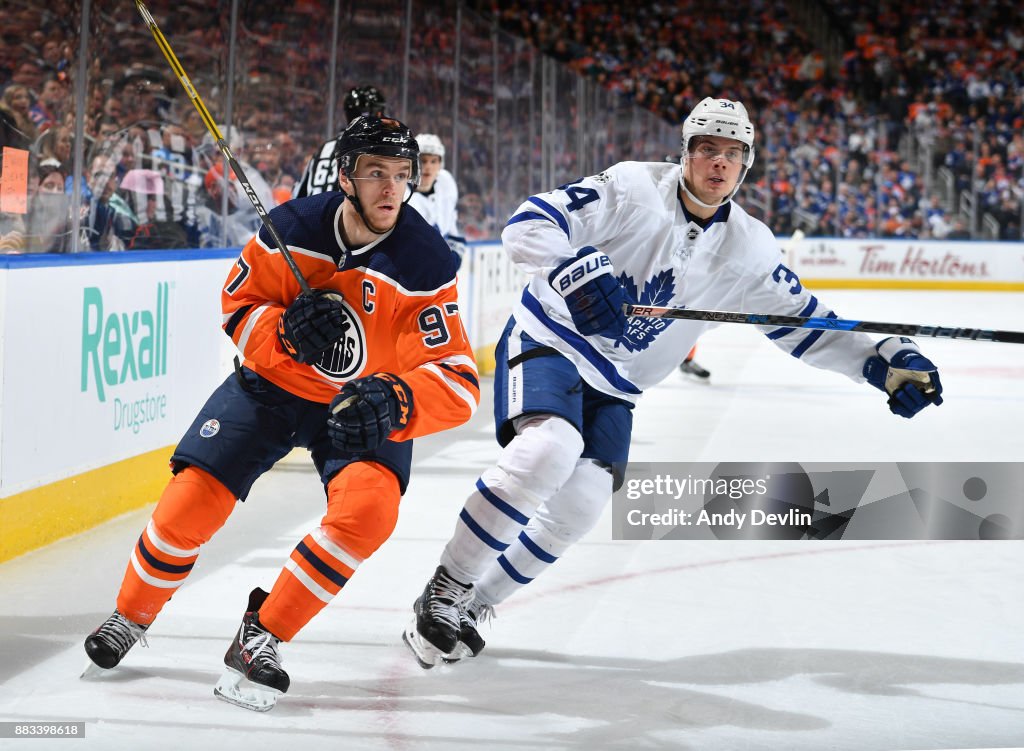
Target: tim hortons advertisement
point(911, 262)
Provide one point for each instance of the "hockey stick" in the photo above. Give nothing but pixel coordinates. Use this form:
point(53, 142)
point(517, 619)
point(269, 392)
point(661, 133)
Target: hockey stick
point(211, 126)
point(827, 324)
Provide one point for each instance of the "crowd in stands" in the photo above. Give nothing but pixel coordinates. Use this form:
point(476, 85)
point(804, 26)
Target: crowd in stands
point(152, 176)
point(946, 80)
point(926, 105)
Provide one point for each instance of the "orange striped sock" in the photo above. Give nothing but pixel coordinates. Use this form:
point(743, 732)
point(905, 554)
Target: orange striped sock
point(192, 508)
point(362, 510)
point(315, 572)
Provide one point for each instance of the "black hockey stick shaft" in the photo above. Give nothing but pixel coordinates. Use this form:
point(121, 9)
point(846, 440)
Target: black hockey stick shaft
point(827, 324)
point(211, 126)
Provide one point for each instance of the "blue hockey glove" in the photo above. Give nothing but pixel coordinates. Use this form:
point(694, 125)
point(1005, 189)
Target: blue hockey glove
point(592, 293)
point(312, 324)
point(366, 411)
point(908, 377)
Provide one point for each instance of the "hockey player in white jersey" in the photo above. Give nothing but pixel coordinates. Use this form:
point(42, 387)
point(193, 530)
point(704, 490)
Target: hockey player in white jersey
point(570, 365)
point(437, 196)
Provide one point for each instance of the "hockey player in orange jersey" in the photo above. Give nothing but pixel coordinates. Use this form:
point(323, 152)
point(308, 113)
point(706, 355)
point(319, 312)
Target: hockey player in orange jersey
point(379, 340)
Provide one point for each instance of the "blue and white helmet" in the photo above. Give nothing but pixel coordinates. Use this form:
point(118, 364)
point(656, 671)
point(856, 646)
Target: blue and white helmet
point(723, 118)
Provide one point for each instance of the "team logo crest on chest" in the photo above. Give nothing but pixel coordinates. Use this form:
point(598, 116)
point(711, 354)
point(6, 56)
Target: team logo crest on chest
point(658, 290)
point(348, 356)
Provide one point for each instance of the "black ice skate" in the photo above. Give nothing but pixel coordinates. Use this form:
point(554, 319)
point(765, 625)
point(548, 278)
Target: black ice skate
point(254, 677)
point(107, 645)
point(690, 367)
point(470, 642)
point(434, 631)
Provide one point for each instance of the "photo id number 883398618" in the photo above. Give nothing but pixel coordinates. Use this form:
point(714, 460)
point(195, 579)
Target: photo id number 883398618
point(50, 729)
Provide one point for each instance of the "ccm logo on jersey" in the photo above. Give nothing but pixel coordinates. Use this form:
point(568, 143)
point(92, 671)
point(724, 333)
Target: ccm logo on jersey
point(589, 264)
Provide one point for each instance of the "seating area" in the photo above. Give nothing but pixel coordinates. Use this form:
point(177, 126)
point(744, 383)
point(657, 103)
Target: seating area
point(914, 130)
point(910, 125)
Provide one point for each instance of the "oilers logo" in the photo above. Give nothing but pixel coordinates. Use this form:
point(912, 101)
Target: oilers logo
point(348, 356)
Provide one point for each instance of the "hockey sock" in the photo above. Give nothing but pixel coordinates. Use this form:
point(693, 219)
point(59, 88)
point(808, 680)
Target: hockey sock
point(531, 469)
point(362, 510)
point(524, 560)
point(193, 506)
point(556, 526)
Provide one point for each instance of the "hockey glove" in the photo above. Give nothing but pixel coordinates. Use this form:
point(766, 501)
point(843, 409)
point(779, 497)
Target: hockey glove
point(592, 294)
point(367, 410)
point(312, 324)
point(908, 377)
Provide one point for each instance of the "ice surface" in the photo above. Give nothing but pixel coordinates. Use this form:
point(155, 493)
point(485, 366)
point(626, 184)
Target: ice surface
point(859, 645)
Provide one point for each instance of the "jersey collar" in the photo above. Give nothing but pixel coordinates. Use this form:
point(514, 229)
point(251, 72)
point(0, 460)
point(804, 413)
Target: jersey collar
point(720, 215)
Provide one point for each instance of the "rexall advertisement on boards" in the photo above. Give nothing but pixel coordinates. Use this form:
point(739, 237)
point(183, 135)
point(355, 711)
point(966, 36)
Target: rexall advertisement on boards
point(104, 362)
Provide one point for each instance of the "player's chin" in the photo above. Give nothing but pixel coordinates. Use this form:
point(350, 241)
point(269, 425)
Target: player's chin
point(716, 190)
point(384, 217)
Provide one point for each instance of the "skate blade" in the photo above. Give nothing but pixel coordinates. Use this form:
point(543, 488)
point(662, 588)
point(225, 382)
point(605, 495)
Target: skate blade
point(91, 671)
point(235, 689)
point(460, 652)
point(696, 377)
point(426, 654)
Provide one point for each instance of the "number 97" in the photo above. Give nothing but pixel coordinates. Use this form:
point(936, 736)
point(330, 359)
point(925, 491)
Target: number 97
point(432, 323)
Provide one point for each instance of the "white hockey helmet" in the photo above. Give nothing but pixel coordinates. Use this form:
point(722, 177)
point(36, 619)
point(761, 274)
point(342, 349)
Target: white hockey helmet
point(431, 144)
point(723, 118)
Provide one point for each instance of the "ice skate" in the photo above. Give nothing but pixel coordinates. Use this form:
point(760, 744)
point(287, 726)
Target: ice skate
point(470, 642)
point(435, 629)
point(108, 644)
point(690, 367)
point(253, 678)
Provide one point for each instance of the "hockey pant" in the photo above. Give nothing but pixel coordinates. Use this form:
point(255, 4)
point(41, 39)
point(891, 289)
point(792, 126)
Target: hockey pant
point(362, 511)
point(527, 511)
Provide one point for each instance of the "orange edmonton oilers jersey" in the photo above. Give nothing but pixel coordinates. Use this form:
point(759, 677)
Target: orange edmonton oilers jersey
point(400, 302)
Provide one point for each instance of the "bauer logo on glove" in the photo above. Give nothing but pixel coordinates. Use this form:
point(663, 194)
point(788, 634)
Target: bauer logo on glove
point(589, 263)
point(592, 294)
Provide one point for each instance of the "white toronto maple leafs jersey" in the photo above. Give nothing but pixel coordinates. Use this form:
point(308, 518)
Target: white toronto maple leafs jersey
point(632, 212)
point(439, 206)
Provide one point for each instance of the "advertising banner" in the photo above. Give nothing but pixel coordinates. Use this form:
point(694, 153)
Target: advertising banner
point(104, 362)
point(908, 263)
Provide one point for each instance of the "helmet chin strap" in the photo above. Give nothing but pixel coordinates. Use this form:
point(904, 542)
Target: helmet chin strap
point(686, 189)
point(354, 199)
point(688, 192)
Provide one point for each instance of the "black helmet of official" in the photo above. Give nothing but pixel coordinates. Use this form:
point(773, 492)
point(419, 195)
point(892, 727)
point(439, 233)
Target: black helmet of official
point(383, 136)
point(364, 100)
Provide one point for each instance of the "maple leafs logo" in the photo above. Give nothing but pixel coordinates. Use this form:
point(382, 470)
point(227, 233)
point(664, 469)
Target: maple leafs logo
point(658, 291)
